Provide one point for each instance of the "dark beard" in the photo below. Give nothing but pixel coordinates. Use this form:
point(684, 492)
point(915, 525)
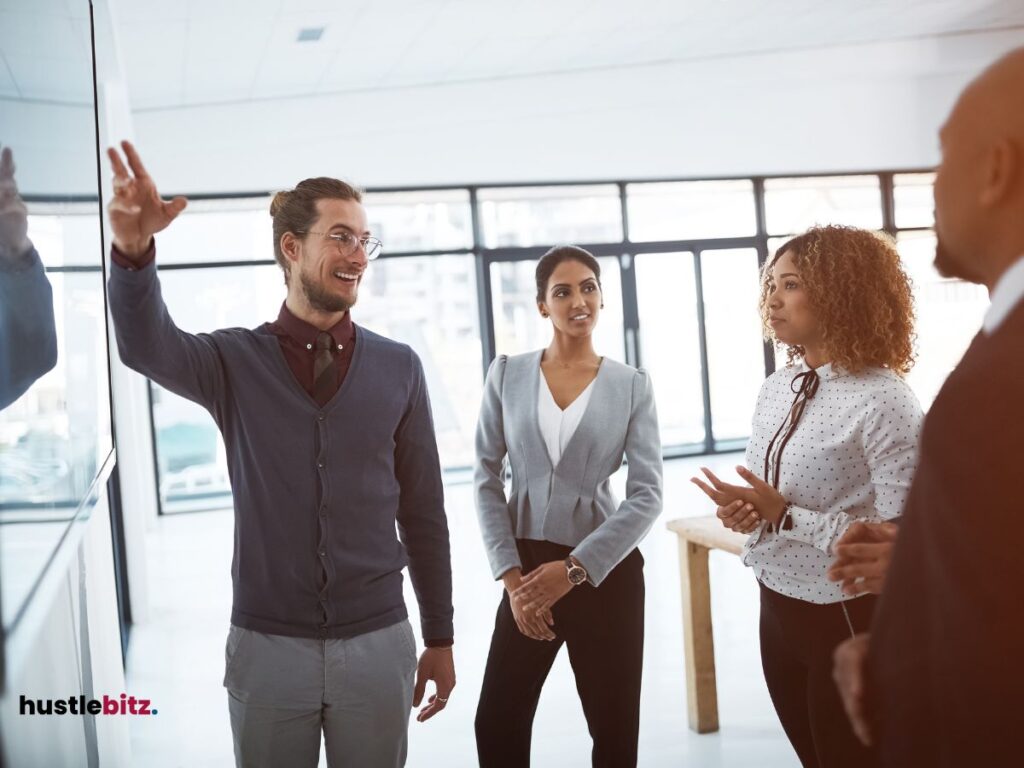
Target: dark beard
point(947, 266)
point(320, 298)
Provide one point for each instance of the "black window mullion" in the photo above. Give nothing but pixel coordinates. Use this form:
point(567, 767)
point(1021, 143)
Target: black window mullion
point(762, 258)
point(630, 309)
point(888, 188)
point(156, 447)
point(630, 304)
point(484, 300)
point(702, 335)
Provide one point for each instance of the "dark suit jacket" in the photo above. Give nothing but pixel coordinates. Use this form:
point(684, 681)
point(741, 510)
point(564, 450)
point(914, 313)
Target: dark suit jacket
point(946, 664)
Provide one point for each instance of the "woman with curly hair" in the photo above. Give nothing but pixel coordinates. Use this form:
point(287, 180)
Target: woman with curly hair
point(833, 442)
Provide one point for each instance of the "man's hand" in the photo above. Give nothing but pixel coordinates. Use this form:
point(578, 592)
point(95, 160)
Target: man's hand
point(862, 557)
point(769, 503)
point(437, 664)
point(137, 212)
point(14, 242)
point(849, 672)
point(535, 626)
point(542, 587)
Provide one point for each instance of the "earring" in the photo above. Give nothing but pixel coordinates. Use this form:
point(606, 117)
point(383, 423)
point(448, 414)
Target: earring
point(543, 314)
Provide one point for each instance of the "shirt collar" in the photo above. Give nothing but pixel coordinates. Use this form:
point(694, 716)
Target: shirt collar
point(305, 334)
point(1008, 292)
point(825, 371)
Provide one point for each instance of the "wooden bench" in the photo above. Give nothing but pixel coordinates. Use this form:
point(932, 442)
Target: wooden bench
point(697, 536)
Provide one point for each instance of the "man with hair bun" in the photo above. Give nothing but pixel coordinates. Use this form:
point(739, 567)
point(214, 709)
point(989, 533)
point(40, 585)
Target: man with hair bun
point(330, 447)
point(938, 680)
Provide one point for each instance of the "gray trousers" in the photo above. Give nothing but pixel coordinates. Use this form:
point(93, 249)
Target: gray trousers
point(283, 691)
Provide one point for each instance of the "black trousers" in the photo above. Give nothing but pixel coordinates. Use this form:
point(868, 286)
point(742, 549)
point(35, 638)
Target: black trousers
point(797, 641)
point(603, 628)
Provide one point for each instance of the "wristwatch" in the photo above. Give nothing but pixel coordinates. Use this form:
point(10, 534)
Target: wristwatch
point(575, 572)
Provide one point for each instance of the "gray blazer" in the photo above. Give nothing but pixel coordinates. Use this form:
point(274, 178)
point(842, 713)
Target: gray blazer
point(571, 504)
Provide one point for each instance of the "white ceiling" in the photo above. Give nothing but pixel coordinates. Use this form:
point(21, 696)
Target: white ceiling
point(200, 52)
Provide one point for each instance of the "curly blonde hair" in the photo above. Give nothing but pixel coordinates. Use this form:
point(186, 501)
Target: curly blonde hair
point(858, 291)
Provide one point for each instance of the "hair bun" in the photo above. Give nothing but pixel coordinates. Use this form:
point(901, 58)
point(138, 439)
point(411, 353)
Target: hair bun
point(279, 202)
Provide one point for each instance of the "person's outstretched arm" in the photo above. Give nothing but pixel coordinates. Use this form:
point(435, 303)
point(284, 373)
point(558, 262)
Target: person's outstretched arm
point(147, 338)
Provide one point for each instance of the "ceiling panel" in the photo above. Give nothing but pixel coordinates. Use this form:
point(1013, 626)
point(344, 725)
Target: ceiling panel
point(52, 78)
point(171, 51)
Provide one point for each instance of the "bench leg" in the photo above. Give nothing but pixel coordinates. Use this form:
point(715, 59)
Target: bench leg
point(698, 640)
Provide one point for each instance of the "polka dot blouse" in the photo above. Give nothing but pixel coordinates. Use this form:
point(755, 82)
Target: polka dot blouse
point(852, 457)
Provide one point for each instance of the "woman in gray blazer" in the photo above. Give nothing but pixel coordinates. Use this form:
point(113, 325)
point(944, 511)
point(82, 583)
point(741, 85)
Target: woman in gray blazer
point(563, 545)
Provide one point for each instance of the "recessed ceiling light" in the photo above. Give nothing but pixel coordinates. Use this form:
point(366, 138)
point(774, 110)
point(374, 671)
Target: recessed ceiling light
point(310, 34)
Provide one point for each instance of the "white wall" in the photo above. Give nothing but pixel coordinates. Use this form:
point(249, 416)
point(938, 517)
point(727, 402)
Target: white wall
point(860, 107)
point(68, 644)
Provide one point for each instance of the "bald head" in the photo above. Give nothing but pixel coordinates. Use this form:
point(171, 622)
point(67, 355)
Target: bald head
point(993, 104)
point(979, 188)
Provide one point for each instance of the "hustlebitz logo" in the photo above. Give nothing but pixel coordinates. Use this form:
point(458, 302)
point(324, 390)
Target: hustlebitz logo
point(80, 705)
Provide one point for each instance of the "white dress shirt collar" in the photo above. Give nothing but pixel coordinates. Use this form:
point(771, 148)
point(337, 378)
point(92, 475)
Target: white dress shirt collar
point(824, 371)
point(1008, 292)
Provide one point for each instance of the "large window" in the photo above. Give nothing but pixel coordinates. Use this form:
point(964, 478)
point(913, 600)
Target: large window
point(795, 204)
point(670, 343)
point(734, 338)
point(680, 267)
point(522, 216)
point(691, 210)
point(421, 221)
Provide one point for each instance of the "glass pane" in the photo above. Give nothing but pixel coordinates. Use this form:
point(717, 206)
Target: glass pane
point(54, 395)
point(915, 205)
point(421, 221)
point(949, 314)
point(191, 461)
point(669, 343)
point(735, 344)
point(54, 437)
point(691, 210)
point(66, 235)
point(518, 326)
point(521, 216)
point(794, 205)
point(237, 229)
point(429, 303)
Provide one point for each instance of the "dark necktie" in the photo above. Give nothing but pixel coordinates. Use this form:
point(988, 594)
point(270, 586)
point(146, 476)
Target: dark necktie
point(324, 375)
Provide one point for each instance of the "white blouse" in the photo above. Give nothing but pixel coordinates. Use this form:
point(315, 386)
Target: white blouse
point(557, 426)
point(852, 457)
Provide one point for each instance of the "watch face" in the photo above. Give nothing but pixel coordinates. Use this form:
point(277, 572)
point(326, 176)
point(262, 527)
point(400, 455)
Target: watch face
point(577, 575)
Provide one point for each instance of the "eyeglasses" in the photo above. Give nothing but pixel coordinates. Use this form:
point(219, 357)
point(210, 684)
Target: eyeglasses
point(347, 243)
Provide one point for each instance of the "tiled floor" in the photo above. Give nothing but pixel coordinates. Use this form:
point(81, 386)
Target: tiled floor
point(177, 657)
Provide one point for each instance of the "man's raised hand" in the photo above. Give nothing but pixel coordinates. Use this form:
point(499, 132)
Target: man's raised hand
point(137, 211)
point(13, 214)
